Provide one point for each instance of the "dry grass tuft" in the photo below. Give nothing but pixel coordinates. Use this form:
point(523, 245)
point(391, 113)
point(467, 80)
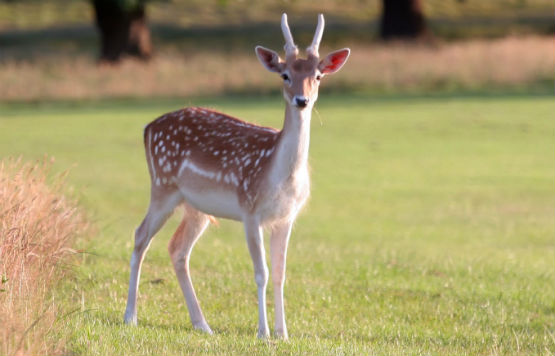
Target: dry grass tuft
point(37, 226)
point(473, 64)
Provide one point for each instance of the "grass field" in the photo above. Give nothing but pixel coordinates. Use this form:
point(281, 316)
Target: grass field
point(430, 230)
point(64, 73)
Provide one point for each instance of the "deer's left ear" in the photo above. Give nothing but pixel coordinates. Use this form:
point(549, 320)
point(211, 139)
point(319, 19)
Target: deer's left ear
point(269, 59)
point(334, 61)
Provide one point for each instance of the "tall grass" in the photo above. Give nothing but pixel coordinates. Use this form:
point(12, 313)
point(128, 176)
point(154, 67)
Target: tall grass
point(466, 65)
point(37, 226)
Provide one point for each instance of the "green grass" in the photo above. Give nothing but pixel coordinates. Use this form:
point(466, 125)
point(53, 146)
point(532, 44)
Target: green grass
point(430, 230)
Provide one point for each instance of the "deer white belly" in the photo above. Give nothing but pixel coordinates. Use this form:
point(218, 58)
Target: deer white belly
point(220, 204)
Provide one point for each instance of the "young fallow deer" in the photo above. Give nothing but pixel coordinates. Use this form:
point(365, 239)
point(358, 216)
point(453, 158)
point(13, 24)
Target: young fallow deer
point(217, 165)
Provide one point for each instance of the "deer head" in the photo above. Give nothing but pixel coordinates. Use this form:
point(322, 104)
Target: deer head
point(301, 76)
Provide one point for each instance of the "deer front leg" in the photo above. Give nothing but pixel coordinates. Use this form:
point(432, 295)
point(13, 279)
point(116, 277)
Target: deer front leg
point(278, 253)
point(253, 232)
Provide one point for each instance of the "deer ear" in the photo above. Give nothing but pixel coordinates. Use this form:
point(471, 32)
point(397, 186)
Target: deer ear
point(334, 61)
point(269, 59)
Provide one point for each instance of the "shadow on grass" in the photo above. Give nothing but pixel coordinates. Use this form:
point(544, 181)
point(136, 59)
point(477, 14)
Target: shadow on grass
point(238, 98)
point(24, 44)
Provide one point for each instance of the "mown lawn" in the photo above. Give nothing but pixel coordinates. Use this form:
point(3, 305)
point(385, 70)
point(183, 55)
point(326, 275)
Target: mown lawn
point(430, 230)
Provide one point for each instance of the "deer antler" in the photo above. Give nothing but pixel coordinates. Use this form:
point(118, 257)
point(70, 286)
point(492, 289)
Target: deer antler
point(313, 48)
point(290, 47)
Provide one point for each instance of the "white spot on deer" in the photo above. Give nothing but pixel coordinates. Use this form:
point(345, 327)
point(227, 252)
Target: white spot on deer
point(158, 181)
point(155, 149)
point(234, 179)
point(168, 167)
point(195, 169)
point(163, 149)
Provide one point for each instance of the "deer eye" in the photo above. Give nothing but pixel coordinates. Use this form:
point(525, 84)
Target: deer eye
point(285, 76)
point(318, 77)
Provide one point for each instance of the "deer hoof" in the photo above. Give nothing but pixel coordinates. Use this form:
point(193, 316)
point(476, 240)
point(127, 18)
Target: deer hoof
point(204, 328)
point(281, 334)
point(130, 319)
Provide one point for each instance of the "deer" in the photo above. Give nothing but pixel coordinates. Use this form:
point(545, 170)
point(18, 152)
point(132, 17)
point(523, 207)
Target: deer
point(215, 165)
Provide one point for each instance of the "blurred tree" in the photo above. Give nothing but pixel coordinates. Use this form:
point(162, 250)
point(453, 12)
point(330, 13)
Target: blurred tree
point(123, 29)
point(403, 19)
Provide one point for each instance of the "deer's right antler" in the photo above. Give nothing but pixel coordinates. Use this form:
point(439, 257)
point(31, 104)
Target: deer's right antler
point(291, 49)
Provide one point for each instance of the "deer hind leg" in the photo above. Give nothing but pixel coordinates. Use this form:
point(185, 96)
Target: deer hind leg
point(161, 206)
point(191, 228)
point(253, 232)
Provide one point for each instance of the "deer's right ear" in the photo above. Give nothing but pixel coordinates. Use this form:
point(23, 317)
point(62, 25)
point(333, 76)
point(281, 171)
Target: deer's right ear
point(269, 59)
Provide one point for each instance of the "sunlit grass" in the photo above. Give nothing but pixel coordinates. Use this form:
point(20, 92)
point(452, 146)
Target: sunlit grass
point(429, 230)
point(38, 226)
point(514, 62)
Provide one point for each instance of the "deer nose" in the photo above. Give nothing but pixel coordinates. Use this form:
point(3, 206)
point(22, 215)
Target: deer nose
point(301, 101)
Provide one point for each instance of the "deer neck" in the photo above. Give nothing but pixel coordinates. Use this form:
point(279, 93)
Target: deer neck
point(292, 147)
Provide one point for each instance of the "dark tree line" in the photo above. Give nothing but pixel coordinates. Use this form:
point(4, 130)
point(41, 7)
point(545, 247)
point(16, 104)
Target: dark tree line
point(403, 19)
point(124, 30)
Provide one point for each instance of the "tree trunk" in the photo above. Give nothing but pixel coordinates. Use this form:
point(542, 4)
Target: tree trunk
point(122, 31)
point(403, 19)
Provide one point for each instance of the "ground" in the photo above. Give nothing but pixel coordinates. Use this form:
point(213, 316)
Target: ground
point(429, 229)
